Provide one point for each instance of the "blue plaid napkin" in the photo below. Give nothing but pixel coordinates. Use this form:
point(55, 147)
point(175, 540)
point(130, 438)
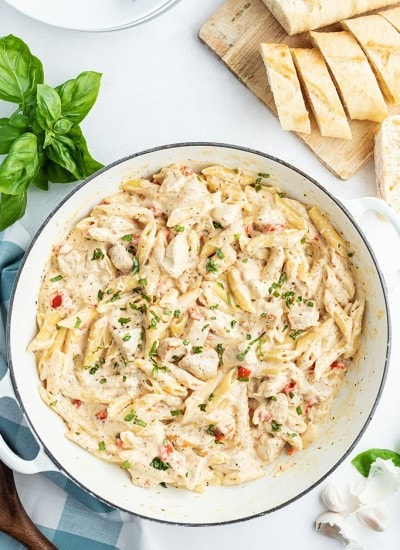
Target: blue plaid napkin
point(67, 515)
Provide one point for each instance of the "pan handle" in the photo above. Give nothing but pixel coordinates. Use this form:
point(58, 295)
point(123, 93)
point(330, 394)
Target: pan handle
point(41, 463)
point(358, 207)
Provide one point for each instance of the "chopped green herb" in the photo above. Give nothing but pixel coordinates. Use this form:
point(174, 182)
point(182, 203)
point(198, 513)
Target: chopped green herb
point(263, 314)
point(126, 465)
point(299, 410)
point(53, 403)
point(233, 323)
point(110, 291)
point(220, 254)
point(248, 336)
point(303, 240)
point(124, 378)
point(153, 348)
point(103, 380)
point(94, 369)
point(163, 484)
point(273, 398)
point(211, 397)
point(284, 328)
point(291, 394)
point(158, 464)
point(123, 320)
point(245, 260)
point(153, 324)
point(350, 254)
point(186, 342)
point(281, 195)
point(139, 422)
point(98, 254)
point(241, 356)
point(177, 412)
point(228, 298)
point(236, 236)
point(102, 446)
point(127, 238)
point(56, 278)
point(276, 294)
point(142, 282)
point(215, 306)
point(217, 225)
point(220, 350)
point(293, 335)
point(114, 297)
point(202, 407)
point(197, 349)
point(178, 228)
point(258, 187)
point(135, 265)
point(157, 368)
point(310, 304)
point(154, 314)
point(275, 426)
point(211, 429)
point(211, 266)
point(100, 294)
point(203, 328)
point(282, 279)
point(177, 313)
point(78, 322)
point(126, 337)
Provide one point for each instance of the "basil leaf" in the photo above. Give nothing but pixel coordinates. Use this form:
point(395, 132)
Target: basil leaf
point(63, 151)
point(41, 180)
point(78, 95)
point(58, 174)
point(12, 208)
point(62, 126)
point(90, 164)
point(20, 121)
point(20, 72)
point(20, 165)
point(364, 460)
point(48, 108)
point(8, 134)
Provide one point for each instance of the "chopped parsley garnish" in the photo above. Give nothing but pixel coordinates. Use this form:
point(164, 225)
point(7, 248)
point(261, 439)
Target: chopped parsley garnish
point(291, 394)
point(103, 380)
point(220, 350)
point(202, 407)
point(123, 320)
point(197, 349)
point(215, 306)
point(98, 254)
point(158, 464)
point(241, 356)
point(281, 195)
point(114, 297)
point(126, 337)
point(299, 410)
point(132, 417)
point(153, 324)
point(211, 397)
point(126, 465)
point(142, 282)
point(228, 298)
point(275, 426)
point(100, 294)
point(153, 349)
point(310, 304)
point(350, 254)
point(135, 265)
point(94, 369)
point(177, 313)
point(102, 446)
point(177, 412)
point(56, 278)
point(303, 240)
point(282, 279)
point(217, 225)
point(211, 266)
point(53, 403)
point(233, 323)
point(211, 429)
point(258, 180)
point(163, 484)
point(157, 368)
point(127, 238)
point(236, 236)
point(78, 322)
point(293, 335)
point(186, 342)
point(178, 228)
point(220, 254)
point(154, 314)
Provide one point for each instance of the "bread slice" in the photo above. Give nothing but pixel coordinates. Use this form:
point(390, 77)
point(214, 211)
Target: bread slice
point(321, 93)
point(381, 44)
point(353, 75)
point(305, 15)
point(393, 16)
point(387, 160)
point(285, 86)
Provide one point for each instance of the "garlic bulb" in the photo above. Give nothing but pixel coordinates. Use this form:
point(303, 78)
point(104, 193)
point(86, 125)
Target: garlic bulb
point(336, 526)
point(374, 518)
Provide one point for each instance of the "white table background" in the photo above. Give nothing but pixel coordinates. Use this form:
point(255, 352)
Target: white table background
point(161, 85)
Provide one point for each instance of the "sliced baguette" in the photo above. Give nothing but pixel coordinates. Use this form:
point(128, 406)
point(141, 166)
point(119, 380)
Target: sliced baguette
point(393, 16)
point(387, 161)
point(285, 86)
point(321, 93)
point(381, 44)
point(353, 75)
point(305, 15)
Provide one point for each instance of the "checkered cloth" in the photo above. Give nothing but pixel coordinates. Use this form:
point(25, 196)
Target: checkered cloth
point(67, 515)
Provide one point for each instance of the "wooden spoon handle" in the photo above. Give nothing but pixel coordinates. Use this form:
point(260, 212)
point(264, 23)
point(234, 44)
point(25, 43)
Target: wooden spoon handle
point(14, 520)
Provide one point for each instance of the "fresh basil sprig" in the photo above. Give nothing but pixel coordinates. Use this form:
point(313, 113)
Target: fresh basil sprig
point(363, 461)
point(42, 139)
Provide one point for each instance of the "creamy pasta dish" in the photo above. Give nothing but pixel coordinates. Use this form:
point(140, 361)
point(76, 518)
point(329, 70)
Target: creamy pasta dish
point(194, 326)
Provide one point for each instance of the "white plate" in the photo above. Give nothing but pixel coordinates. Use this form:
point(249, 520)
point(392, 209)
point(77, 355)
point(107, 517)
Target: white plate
point(92, 15)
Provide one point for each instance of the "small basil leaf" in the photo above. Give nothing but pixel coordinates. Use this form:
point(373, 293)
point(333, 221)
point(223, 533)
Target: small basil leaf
point(58, 174)
point(89, 163)
point(40, 180)
point(364, 460)
point(12, 208)
point(8, 134)
point(62, 126)
point(78, 95)
point(20, 165)
point(63, 151)
point(20, 121)
point(48, 108)
point(20, 72)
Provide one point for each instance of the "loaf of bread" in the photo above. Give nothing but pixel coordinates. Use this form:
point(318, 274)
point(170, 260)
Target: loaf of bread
point(387, 161)
point(321, 93)
point(353, 75)
point(381, 44)
point(285, 86)
point(305, 15)
point(393, 16)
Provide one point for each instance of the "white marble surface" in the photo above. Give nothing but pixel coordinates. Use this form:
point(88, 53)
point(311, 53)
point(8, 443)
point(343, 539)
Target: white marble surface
point(162, 85)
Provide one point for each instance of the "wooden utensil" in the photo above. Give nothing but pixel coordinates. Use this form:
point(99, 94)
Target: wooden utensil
point(14, 520)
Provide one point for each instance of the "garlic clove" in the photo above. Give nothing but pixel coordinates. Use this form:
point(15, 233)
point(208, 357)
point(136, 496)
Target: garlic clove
point(336, 526)
point(332, 499)
point(374, 518)
point(382, 482)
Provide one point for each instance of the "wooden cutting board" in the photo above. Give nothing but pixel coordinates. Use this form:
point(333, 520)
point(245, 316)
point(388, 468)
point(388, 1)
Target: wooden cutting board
point(234, 33)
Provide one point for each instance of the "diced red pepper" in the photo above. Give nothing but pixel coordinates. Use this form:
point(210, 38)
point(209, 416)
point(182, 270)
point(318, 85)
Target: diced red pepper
point(186, 171)
point(291, 451)
point(243, 372)
point(289, 387)
point(311, 404)
point(270, 228)
point(340, 365)
point(56, 301)
point(165, 452)
point(101, 415)
point(77, 403)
